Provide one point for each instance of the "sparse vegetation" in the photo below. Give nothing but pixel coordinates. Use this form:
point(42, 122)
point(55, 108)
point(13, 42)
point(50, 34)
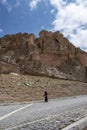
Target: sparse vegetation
point(21, 88)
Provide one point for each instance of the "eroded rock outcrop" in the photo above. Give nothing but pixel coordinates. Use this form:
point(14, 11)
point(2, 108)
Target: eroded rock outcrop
point(50, 55)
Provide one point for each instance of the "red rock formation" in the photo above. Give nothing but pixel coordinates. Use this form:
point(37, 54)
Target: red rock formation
point(51, 54)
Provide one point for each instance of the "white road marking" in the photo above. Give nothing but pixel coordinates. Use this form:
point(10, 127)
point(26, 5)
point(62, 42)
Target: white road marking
point(39, 120)
point(29, 123)
point(9, 114)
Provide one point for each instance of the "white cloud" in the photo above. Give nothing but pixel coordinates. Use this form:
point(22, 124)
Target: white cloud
point(1, 31)
point(70, 17)
point(33, 4)
point(4, 1)
point(10, 6)
point(18, 2)
point(52, 11)
point(43, 27)
point(85, 49)
point(7, 5)
point(71, 20)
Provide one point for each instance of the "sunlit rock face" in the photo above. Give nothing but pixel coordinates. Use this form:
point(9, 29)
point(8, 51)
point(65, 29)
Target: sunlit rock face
point(50, 54)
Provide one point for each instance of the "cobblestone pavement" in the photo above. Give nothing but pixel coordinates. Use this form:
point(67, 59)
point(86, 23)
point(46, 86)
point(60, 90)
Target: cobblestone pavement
point(56, 122)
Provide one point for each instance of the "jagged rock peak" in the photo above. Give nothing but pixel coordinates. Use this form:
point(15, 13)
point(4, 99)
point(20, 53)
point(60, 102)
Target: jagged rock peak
point(51, 54)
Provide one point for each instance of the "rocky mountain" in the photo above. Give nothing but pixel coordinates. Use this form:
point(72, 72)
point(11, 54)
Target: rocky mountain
point(51, 54)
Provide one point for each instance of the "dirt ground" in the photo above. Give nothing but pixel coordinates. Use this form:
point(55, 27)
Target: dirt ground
point(20, 88)
point(85, 129)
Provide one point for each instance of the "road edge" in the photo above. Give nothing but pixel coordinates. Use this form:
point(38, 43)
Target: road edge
point(79, 125)
point(39, 101)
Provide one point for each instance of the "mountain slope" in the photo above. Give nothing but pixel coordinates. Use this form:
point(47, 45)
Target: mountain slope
point(49, 55)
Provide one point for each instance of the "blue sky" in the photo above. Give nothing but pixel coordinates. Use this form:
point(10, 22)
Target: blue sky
point(24, 17)
point(66, 16)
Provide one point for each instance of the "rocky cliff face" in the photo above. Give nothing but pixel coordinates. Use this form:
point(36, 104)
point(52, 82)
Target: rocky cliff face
point(49, 55)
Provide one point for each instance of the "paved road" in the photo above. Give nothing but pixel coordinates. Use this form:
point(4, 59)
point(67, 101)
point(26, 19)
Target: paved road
point(18, 114)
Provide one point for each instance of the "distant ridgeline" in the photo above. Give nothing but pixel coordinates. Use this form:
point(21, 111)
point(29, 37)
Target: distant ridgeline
point(49, 55)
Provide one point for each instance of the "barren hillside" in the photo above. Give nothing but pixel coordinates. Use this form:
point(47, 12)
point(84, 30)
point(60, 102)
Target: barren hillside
point(14, 88)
